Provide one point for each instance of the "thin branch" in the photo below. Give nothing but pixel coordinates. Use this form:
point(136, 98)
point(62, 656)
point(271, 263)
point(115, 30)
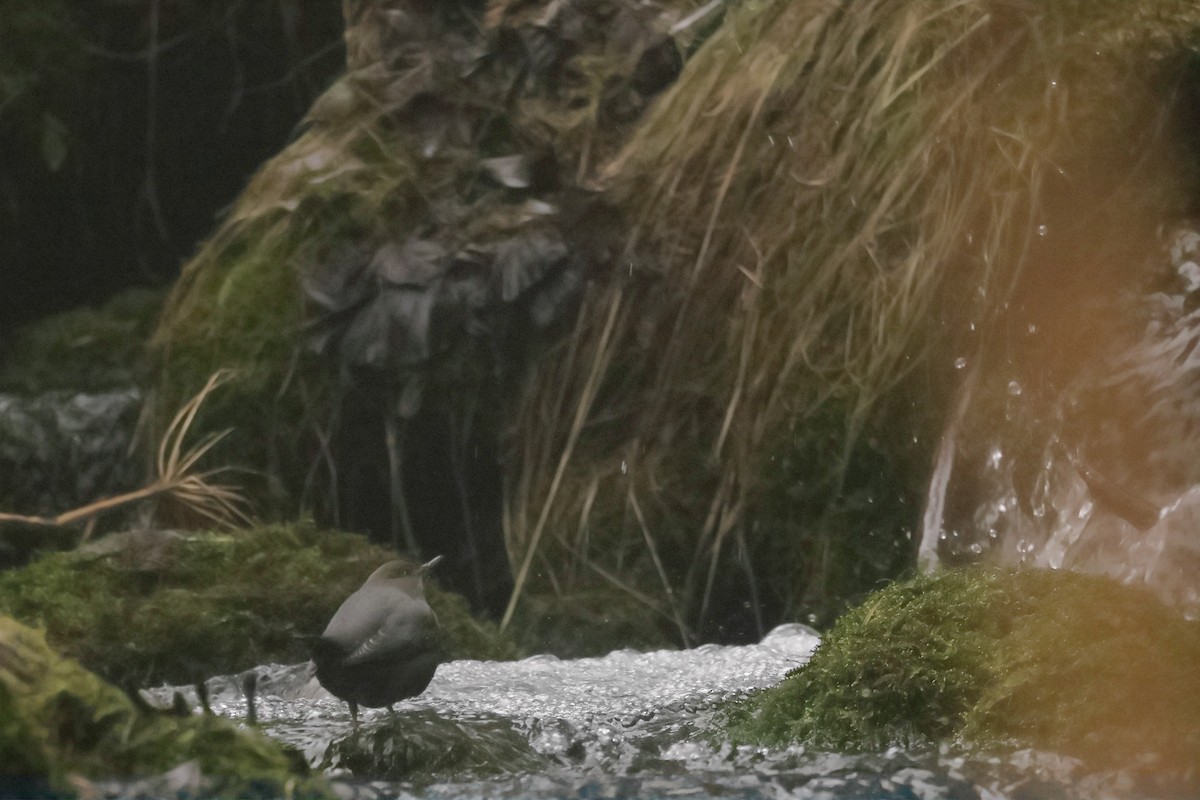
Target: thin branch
point(220, 504)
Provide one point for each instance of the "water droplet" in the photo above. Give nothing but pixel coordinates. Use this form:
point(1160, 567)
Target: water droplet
point(624, 467)
point(995, 457)
point(1014, 388)
point(1043, 229)
point(1032, 328)
point(960, 362)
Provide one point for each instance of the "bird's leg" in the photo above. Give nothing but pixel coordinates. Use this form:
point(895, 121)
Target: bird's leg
point(202, 694)
point(250, 687)
point(179, 706)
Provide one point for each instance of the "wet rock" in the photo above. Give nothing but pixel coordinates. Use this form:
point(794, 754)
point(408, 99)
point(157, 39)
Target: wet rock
point(60, 450)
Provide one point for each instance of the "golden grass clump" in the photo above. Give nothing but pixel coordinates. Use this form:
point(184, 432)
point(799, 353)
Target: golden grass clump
point(830, 195)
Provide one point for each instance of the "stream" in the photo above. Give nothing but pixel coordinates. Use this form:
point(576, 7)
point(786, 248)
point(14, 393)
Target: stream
point(625, 725)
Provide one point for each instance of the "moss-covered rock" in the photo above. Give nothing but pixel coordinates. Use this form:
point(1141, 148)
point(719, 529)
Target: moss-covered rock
point(1076, 664)
point(150, 607)
point(424, 746)
point(59, 720)
point(84, 350)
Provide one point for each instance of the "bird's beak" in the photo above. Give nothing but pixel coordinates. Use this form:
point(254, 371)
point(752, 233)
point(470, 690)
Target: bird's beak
point(428, 565)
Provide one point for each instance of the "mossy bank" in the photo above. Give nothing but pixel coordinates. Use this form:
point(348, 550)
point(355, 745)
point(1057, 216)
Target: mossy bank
point(83, 350)
point(1074, 664)
point(62, 726)
point(150, 607)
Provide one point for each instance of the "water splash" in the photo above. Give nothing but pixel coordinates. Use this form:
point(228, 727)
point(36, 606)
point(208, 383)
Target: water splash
point(1114, 485)
point(625, 725)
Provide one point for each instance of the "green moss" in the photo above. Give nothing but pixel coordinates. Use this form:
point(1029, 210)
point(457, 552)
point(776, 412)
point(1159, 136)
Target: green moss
point(829, 537)
point(1065, 662)
point(1099, 671)
point(467, 636)
point(239, 304)
point(425, 746)
point(85, 349)
point(60, 719)
point(21, 753)
point(157, 607)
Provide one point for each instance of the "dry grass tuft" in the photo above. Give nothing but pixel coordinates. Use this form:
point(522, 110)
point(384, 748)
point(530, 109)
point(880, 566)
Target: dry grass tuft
point(179, 483)
point(176, 483)
point(830, 194)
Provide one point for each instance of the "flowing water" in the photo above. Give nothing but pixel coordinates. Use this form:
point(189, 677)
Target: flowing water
point(625, 725)
point(1097, 471)
point(646, 724)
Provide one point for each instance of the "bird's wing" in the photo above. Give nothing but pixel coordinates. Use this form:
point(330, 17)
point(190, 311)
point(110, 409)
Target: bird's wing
point(359, 617)
point(408, 631)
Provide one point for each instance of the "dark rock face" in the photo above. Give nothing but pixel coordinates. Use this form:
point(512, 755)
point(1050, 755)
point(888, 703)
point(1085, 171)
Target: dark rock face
point(432, 317)
point(112, 163)
point(60, 450)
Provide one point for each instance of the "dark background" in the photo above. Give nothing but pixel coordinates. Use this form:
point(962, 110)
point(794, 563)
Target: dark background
point(116, 156)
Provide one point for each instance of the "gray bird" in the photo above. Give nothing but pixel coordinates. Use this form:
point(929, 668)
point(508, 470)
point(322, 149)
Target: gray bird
point(382, 645)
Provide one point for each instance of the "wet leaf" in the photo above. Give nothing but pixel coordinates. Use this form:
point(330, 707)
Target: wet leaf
point(415, 263)
point(512, 171)
point(468, 284)
point(527, 258)
point(335, 283)
point(407, 333)
point(553, 300)
point(544, 49)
